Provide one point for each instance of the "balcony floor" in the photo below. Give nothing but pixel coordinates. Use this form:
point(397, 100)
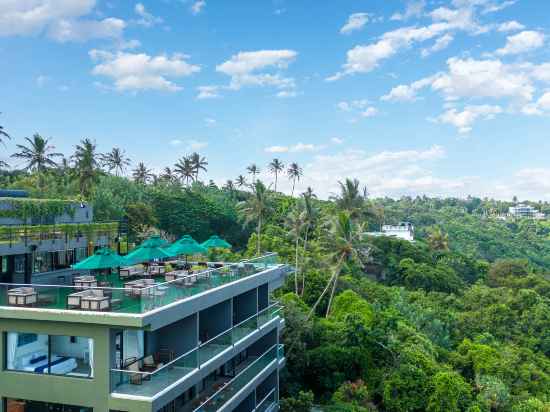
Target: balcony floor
point(158, 382)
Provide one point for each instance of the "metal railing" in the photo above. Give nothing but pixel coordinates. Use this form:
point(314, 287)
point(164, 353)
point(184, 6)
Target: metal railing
point(235, 385)
point(146, 299)
point(196, 357)
point(267, 402)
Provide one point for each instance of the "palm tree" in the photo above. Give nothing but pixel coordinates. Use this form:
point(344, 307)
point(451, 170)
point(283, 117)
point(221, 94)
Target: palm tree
point(199, 163)
point(256, 208)
point(253, 170)
point(311, 214)
point(438, 240)
point(345, 239)
point(115, 160)
point(294, 173)
point(38, 155)
point(3, 134)
point(230, 187)
point(185, 169)
point(86, 165)
point(241, 181)
point(141, 174)
point(276, 166)
point(168, 175)
point(350, 198)
point(295, 222)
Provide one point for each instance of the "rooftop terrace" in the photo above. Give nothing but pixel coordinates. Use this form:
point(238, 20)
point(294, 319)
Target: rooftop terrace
point(122, 298)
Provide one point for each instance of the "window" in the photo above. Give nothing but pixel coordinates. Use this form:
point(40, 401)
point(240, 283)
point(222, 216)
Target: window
point(50, 354)
point(34, 406)
point(19, 264)
point(81, 253)
point(41, 262)
point(3, 264)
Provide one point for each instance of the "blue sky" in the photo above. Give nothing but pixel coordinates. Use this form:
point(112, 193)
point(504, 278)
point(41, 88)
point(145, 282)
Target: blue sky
point(411, 97)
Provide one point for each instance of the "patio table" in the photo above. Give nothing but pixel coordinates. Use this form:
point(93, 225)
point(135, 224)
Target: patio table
point(24, 296)
point(97, 303)
point(85, 282)
point(139, 287)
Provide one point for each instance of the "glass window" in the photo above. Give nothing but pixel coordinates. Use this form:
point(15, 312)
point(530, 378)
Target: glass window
point(34, 406)
point(3, 264)
point(19, 264)
point(41, 262)
point(81, 253)
point(50, 354)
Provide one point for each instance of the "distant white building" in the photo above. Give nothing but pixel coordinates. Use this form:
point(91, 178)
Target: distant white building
point(525, 211)
point(404, 230)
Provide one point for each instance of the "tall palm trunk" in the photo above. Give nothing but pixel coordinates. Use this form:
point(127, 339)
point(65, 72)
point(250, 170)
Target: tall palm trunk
point(259, 240)
point(293, 185)
point(333, 278)
point(275, 181)
point(296, 265)
point(305, 251)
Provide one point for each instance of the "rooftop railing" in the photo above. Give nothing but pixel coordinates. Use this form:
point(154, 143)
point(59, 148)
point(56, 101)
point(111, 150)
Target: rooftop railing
point(268, 402)
point(135, 382)
point(130, 300)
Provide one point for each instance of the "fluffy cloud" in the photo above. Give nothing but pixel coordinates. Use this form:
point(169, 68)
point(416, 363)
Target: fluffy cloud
point(139, 71)
point(522, 42)
point(510, 26)
point(355, 22)
point(337, 140)
point(297, 148)
point(369, 112)
point(251, 69)
point(414, 9)
point(198, 6)
point(146, 19)
point(541, 106)
point(440, 44)
point(208, 92)
point(62, 20)
point(348, 106)
point(190, 145)
point(463, 120)
point(407, 93)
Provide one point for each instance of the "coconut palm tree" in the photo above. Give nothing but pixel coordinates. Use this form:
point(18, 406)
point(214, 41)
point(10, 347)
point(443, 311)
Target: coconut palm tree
point(295, 222)
point(240, 181)
point(294, 172)
point(253, 170)
point(311, 215)
point(275, 167)
point(199, 163)
point(345, 238)
point(438, 240)
point(3, 134)
point(350, 197)
point(142, 174)
point(255, 209)
point(230, 187)
point(86, 165)
point(115, 160)
point(38, 154)
point(169, 175)
point(185, 169)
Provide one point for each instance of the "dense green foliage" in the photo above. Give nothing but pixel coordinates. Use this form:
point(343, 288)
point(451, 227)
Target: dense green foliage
point(457, 321)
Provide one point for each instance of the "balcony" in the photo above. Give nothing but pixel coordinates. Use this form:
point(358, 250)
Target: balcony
point(148, 384)
point(128, 300)
point(239, 382)
point(269, 403)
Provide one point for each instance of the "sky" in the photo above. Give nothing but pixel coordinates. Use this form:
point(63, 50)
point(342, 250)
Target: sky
point(443, 98)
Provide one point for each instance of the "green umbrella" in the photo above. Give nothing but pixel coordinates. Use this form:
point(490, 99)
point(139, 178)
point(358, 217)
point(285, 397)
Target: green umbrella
point(102, 259)
point(154, 241)
point(185, 246)
point(145, 254)
point(216, 242)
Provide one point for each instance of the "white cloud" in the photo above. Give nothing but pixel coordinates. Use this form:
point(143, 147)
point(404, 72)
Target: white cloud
point(41, 80)
point(414, 9)
point(208, 92)
point(337, 140)
point(191, 145)
point(297, 148)
point(511, 25)
point(198, 6)
point(440, 44)
point(285, 94)
point(407, 93)
point(146, 18)
point(249, 69)
point(348, 106)
point(463, 120)
point(62, 20)
point(541, 106)
point(209, 121)
point(139, 71)
point(355, 22)
point(542, 72)
point(369, 112)
point(522, 42)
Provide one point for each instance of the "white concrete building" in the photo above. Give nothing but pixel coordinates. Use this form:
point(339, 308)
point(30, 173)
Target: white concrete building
point(404, 231)
point(525, 211)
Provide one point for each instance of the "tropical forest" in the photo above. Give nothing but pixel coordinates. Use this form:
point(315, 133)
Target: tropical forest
point(457, 320)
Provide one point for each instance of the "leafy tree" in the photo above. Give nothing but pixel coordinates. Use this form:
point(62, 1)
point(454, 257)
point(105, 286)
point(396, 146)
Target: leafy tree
point(198, 163)
point(504, 268)
point(115, 160)
point(141, 217)
point(438, 240)
point(86, 165)
point(253, 170)
point(142, 174)
point(3, 134)
point(450, 393)
point(38, 155)
point(350, 198)
point(301, 403)
point(276, 167)
point(185, 168)
point(294, 172)
point(256, 208)
point(240, 181)
point(295, 221)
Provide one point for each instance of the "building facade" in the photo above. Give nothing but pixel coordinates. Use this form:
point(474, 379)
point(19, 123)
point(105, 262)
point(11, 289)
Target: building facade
point(525, 211)
point(404, 231)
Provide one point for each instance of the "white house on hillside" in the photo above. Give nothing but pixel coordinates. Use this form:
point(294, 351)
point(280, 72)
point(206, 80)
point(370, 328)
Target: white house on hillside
point(404, 231)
